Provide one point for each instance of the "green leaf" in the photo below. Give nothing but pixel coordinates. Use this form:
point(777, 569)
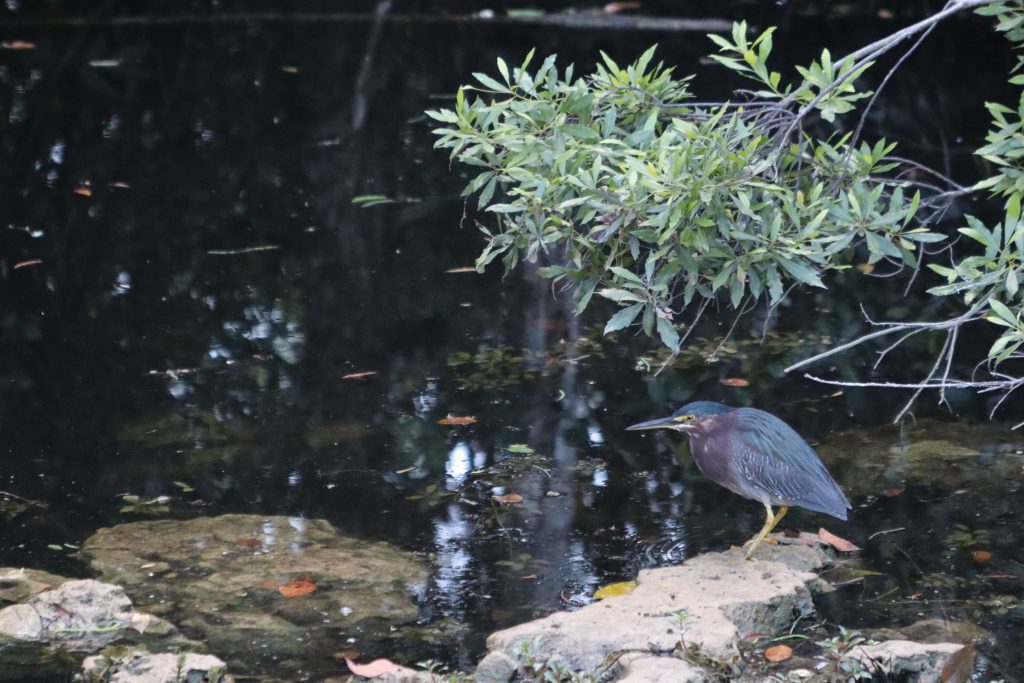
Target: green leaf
point(801, 273)
point(667, 332)
point(624, 318)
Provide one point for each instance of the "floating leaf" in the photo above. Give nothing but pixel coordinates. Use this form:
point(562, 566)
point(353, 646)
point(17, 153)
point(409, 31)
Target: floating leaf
point(360, 375)
point(840, 544)
point(614, 590)
point(509, 498)
point(734, 382)
point(294, 589)
point(894, 490)
point(981, 556)
point(367, 200)
point(519, 448)
point(463, 269)
point(83, 191)
point(26, 264)
point(960, 666)
point(377, 667)
point(778, 653)
point(452, 420)
point(18, 45)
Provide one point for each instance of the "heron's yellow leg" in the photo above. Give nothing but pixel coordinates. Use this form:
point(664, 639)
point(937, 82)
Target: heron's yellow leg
point(771, 519)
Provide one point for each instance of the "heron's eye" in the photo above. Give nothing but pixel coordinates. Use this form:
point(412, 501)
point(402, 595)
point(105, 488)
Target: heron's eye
point(683, 418)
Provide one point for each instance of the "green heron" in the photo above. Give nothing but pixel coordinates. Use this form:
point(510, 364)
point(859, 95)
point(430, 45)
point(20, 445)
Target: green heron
point(758, 456)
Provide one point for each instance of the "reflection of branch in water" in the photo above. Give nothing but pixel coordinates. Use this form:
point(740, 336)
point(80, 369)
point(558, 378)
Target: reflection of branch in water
point(359, 100)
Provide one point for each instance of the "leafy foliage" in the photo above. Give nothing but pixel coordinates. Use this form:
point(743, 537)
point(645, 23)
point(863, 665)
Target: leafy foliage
point(626, 191)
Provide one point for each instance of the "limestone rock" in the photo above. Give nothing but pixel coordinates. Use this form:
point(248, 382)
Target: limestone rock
point(650, 669)
point(20, 584)
point(219, 577)
point(496, 667)
point(721, 596)
point(913, 662)
point(139, 666)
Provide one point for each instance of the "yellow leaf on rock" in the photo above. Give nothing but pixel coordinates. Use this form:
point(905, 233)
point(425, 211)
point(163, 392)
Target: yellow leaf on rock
point(614, 590)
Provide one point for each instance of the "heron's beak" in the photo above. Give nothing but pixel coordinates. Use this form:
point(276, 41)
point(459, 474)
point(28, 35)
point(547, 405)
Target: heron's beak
point(660, 423)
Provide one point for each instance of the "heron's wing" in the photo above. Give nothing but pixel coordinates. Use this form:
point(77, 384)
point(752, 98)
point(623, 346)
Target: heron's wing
point(771, 456)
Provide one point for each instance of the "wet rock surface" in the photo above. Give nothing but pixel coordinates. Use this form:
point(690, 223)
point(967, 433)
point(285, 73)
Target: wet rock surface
point(139, 666)
point(714, 600)
point(711, 604)
point(222, 580)
point(48, 633)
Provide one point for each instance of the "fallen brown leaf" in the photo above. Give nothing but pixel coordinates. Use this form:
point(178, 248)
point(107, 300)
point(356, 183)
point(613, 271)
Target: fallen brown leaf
point(464, 269)
point(377, 667)
point(452, 420)
point(734, 382)
point(509, 498)
point(981, 556)
point(247, 542)
point(26, 264)
point(959, 667)
point(778, 653)
point(865, 268)
point(840, 544)
point(360, 375)
point(894, 490)
point(18, 45)
point(84, 191)
point(294, 589)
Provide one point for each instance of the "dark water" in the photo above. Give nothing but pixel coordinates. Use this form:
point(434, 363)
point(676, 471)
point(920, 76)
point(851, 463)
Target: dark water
point(206, 283)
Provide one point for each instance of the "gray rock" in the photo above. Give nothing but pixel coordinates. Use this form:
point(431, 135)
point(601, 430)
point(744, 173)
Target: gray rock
point(722, 596)
point(496, 667)
point(142, 667)
point(80, 615)
point(934, 631)
point(48, 635)
point(919, 662)
point(650, 669)
point(20, 584)
point(218, 577)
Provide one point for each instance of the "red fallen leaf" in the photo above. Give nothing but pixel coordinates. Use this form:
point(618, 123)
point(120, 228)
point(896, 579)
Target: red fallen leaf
point(509, 498)
point(734, 382)
point(30, 262)
point(894, 490)
point(377, 667)
point(840, 544)
point(451, 420)
point(294, 589)
point(359, 375)
point(959, 666)
point(247, 542)
point(981, 556)
point(778, 653)
point(18, 45)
